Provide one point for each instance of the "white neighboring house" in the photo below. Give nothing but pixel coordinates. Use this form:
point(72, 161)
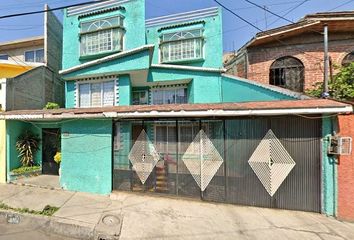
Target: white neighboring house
point(29, 77)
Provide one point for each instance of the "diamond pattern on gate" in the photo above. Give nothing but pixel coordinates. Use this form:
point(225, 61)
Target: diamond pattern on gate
point(202, 160)
point(271, 162)
point(143, 156)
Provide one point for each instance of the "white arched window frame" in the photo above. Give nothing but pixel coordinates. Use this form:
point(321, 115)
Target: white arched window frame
point(101, 36)
point(182, 46)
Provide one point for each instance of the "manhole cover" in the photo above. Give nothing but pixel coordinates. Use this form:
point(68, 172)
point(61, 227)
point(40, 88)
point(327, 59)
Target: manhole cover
point(110, 220)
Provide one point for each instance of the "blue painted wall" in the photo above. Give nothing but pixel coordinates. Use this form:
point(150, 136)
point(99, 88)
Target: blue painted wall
point(87, 156)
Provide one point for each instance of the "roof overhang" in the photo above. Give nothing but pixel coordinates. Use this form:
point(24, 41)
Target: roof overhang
point(271, 108)
point(22, 43)
point(89, 68)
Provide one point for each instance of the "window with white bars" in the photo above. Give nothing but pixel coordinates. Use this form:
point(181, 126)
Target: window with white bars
point(96, 94)
point(169, 96)
point(101, 36)
point(185, 45)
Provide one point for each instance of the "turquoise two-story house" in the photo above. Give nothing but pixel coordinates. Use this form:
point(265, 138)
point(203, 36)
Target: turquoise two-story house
point(149, 108)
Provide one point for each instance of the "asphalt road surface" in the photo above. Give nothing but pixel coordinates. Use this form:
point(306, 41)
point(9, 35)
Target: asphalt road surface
point(26, 231)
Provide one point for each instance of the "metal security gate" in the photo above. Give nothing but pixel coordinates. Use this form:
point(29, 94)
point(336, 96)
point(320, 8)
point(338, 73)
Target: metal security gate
point(268, 162)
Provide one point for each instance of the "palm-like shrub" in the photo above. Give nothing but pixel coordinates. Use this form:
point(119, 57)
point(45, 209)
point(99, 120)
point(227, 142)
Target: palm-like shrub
point(27, 145)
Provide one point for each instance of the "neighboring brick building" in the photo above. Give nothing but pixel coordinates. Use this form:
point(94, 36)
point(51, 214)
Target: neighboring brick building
point(292, 56)
point(346, 172)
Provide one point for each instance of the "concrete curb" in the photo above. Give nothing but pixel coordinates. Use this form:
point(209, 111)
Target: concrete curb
point(49, 224)
point(36, 186)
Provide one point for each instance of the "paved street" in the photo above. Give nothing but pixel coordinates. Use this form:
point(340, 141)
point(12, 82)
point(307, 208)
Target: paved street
point(25, 231)
point(155, 217)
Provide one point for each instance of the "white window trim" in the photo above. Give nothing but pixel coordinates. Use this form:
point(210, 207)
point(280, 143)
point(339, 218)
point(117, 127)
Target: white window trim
point(120, 43)
point(163, 89)
point(77, 91)
point(35, 55)
point(161, 42)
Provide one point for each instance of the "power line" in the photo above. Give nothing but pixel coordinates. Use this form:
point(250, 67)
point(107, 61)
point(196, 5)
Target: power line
point(267, 10)
point(276, 39)
point(268, 5)
point(290, 10)
point(341, 5)
point(277, 15)
point(49, 10)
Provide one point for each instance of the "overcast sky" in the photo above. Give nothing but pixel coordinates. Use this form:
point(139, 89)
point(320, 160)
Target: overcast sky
point(235, 32)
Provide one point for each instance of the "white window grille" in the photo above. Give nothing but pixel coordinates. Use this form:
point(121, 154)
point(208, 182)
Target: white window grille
point(96, 94)
point(117, 136)
point(185, 45)
point(169, 96)
point(101, 36)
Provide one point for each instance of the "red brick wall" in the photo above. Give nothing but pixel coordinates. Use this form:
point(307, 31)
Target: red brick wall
point(346, 172)
point(260, 58)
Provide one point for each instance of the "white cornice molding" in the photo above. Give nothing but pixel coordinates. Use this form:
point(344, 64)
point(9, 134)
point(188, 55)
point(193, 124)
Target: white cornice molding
point(94, 7)
point(106, 59)
point(181, 67)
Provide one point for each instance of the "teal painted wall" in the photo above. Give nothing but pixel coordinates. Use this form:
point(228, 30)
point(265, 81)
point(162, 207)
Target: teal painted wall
point(87, 156)
point(125, 90)
point(204, 87)
point(210, 87)
point(329, 171)
point(13, 130)
point(70, 88)
point(237, 91)
point(134, 23)
point(213, 46)
point(137, 61)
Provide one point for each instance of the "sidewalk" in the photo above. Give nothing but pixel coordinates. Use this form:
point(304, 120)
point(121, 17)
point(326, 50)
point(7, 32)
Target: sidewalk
point(147, 217)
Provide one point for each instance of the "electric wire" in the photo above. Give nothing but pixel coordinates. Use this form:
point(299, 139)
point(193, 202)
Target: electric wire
point(264, 32)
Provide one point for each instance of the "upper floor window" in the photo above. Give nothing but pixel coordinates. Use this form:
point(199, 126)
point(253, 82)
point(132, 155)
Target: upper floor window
point(101, 36)
point(35, 56)
point(169, 96)
point(140, 97)
point(96, 94)
point(348, 59)
point(287, 72)
point(181, 46)
point(4, 57)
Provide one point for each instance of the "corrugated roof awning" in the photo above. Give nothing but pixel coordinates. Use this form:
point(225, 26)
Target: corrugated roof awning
point(313, 106)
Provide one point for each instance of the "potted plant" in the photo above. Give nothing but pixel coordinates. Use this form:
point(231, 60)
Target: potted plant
point(57, 159)
point(27, 145)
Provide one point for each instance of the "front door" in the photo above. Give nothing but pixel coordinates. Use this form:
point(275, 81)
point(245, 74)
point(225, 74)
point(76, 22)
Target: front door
point(51, 145)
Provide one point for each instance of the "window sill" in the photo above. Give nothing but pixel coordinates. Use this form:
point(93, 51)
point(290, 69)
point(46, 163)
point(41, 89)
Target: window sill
point(99, 55)
point(184, 61)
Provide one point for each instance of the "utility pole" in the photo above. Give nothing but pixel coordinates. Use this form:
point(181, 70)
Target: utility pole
point(265, 17)
point(326, 62)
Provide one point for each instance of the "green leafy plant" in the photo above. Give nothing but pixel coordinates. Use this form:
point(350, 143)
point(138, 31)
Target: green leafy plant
point(27, 145)
point(23, 170)
point(52, 105)
point(341, 87)
point(47, 210)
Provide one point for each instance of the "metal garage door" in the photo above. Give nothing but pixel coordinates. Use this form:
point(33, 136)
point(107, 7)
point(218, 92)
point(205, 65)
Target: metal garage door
point(268, 162)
